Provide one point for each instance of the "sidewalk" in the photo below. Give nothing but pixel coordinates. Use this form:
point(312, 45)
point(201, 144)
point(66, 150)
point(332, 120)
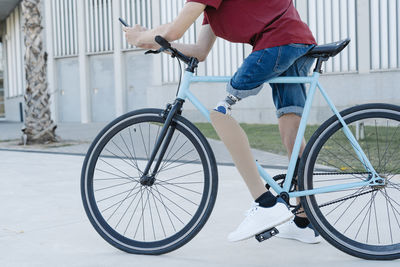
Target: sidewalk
point(77, 137)
point(42, 223)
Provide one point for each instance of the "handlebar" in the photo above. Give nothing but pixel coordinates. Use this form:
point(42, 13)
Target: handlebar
point(166, 46)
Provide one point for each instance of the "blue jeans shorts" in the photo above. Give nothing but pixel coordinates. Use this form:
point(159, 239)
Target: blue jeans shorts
point(263, 65)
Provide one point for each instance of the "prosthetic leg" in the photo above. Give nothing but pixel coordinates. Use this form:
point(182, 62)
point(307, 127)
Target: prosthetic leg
point(235, 139)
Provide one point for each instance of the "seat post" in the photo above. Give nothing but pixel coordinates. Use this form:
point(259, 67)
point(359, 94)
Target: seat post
point(318, 66)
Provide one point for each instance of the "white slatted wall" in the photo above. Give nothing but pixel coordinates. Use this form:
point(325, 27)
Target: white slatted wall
point(137, 12)
point(15, 52)
point(65, 28)
point(385, 34)
point(99, 26)
point(334, 20)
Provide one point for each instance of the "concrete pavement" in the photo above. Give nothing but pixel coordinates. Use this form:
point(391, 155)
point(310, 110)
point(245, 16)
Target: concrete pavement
point(42, 223)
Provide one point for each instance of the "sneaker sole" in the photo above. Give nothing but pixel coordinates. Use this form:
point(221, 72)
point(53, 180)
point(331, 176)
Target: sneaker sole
point(263, 230)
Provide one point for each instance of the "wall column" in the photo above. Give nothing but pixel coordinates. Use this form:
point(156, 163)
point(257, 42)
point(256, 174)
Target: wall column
point(83, 64)
point(119, 70)
point(363, 36)
point(51, 66)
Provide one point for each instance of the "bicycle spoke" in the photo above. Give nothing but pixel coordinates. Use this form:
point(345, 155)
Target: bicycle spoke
point(389, 223)
point(116, 175)
point(330, 164)
point(165, 164)
point(117, 169)
point(169, 151)
point(377, 145)
point(98, 201)
point(179, 206)
point(121, 159)
point(391, 139)
point(129, 151)
point(126, 210)
point(151, 214)
point(184, 155)
point(141, 218)
point(179, 165)
point(368, 211)
point(144, 144)
point(121, 201)
point(112, 186)
point(133, 148)
point(167, 207)
point(166, 183)
point(376, 223)
point(344, 201)
point(180, 176)
point(358, 215)
point(348, 152)
point(158, 212)
point(133, 213)
point(115, 178)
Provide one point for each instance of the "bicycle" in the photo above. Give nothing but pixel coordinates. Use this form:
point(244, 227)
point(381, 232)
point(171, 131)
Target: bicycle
point(140, 199)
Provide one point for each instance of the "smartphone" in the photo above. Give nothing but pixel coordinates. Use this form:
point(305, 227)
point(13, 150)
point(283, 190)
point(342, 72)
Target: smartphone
point(123, 22)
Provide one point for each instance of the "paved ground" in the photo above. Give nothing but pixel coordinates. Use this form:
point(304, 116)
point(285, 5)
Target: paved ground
point(42, 223)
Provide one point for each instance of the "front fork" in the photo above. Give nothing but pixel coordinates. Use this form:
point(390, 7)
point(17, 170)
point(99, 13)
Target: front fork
point(162, 142)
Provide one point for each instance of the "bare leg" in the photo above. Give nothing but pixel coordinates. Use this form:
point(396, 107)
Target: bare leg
point(235, 139)
point(288, 126)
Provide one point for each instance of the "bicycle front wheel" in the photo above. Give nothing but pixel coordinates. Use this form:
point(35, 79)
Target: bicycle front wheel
point(363, 222)
point(156, 218)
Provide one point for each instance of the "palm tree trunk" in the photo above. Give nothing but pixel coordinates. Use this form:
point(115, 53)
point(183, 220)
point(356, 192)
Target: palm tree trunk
point(39, 127)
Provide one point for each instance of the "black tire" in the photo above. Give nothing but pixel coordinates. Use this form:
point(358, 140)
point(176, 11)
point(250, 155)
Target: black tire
point(191, 201)
point(354, 222)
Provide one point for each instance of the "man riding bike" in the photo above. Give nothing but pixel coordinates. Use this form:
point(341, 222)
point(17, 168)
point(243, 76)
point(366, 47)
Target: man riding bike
point(280, 42)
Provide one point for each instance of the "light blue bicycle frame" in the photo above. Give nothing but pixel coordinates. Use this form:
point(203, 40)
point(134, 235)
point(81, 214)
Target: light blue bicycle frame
point(374, 179)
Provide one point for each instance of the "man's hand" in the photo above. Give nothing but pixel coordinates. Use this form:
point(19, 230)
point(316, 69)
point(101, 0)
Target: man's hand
point(133, 36)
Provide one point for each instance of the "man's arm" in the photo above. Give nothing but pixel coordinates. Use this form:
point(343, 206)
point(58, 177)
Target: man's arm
point(143, 38)
point(202, 48)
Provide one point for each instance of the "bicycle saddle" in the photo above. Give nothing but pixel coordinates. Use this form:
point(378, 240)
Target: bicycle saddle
point(328, 50)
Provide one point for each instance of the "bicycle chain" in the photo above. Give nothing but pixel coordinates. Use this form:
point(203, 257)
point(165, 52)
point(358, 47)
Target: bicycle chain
point(336, 201)
point(295, 210)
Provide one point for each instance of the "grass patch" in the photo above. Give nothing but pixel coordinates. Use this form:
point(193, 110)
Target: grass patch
point(265, 137)
point(337, 152)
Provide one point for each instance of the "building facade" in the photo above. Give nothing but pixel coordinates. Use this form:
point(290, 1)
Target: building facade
point(94, 75)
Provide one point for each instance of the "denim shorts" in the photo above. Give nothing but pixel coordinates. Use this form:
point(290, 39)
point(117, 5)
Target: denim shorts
point(263, 65)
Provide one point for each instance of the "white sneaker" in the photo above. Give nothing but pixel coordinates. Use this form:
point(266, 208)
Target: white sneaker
point(290, 230)
point(259, 219)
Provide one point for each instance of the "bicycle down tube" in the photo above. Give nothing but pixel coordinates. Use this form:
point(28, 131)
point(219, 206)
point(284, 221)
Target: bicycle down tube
point(185, 93)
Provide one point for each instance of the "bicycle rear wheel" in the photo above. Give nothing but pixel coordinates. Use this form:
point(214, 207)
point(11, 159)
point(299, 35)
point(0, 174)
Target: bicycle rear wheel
point(363, 222)
point(148, 219)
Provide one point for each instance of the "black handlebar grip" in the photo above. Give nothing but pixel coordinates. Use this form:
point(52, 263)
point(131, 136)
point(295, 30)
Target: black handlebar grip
point(161, 41)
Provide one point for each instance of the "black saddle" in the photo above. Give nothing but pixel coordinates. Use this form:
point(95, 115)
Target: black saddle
point(328, 50)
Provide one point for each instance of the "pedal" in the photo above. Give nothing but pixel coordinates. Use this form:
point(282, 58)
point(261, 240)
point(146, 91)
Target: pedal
point(267, 234)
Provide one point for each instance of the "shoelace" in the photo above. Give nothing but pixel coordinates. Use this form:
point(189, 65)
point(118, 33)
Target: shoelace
point(252, 210)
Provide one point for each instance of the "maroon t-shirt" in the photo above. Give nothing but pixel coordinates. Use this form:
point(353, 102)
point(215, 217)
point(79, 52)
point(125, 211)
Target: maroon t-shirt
point(261, 23)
